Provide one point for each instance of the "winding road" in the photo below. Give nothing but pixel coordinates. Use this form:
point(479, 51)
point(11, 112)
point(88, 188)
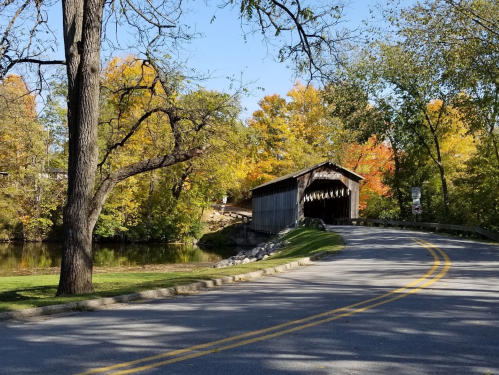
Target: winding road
point(392, 301)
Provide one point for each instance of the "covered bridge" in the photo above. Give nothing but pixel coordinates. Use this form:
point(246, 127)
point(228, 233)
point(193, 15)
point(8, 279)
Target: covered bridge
point(324, 191)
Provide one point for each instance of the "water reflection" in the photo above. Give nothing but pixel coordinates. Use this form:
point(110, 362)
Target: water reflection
point(23, 258)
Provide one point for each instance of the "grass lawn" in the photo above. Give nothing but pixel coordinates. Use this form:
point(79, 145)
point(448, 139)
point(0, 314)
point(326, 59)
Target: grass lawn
point(21, 292)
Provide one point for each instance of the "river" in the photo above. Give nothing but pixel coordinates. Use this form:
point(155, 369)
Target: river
point(45, 258)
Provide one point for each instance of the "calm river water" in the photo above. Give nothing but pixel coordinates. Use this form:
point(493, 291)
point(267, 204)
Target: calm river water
point(22, 258)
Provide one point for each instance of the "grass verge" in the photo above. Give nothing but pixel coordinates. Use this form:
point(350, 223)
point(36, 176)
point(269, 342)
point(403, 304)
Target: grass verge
point(22, 292)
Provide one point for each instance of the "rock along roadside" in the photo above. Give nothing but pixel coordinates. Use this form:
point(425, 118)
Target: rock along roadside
point(261, 252)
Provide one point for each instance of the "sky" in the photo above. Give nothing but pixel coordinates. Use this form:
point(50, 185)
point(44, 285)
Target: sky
point(223, 51)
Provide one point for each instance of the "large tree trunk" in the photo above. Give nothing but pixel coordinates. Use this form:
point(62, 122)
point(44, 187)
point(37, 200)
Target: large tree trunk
point(82, 39)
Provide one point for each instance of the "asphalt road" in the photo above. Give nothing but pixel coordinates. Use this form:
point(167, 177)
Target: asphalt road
point(392, 301)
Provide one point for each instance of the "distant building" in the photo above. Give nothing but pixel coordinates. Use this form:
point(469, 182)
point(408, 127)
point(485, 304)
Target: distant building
point(56, 173)
point(324, 191)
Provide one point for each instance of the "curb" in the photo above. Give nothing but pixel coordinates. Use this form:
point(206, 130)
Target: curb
point(157, 293)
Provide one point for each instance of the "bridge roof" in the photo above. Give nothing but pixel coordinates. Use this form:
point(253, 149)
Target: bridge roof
point(306, 170)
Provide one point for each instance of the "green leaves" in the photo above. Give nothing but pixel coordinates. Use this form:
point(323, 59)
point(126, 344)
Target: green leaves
point(429, 89)
point(140, 123)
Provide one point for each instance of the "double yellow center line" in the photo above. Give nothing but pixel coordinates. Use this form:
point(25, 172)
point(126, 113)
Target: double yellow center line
point(285, 328)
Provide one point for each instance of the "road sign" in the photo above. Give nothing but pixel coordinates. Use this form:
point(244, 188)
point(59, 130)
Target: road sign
point(416, 209)
point(416, 193)
point(416, 201)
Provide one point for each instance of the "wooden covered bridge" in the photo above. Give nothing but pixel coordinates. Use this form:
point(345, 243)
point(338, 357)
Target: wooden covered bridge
point(324, 191)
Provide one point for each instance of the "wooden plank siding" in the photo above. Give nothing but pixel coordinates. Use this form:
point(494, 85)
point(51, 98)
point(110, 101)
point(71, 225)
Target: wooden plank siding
point(274, 209)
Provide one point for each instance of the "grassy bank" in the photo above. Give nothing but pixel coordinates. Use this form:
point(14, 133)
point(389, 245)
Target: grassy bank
point(21, 292)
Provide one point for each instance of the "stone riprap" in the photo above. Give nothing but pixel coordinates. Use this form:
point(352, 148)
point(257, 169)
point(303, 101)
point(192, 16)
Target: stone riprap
point(261, 252)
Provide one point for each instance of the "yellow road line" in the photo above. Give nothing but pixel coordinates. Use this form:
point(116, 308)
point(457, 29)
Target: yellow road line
point(427, 245)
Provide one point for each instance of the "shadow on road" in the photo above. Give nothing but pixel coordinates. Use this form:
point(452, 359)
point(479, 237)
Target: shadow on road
point(451, 327)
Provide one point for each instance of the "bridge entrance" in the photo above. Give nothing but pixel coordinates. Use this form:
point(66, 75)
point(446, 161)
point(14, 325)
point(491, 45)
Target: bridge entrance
point(326, 200)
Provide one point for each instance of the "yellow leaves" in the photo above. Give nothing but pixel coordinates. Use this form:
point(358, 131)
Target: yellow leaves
point(21, 103)
point(310, 118)
point(289, 135)
point(457, 145)
point(129, 72)
point(129, 91)
point(21, 134)
point(24, 219)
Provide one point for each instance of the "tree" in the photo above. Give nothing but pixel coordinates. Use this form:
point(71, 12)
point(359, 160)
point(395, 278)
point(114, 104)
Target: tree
point(84, 23)
point(373, 160)
point(121, 108)
point(466, 36)
point(358, 98)
point(459, 39)
point(401, 75)
point(291, 135)
point(29, 193)
point(377, 96)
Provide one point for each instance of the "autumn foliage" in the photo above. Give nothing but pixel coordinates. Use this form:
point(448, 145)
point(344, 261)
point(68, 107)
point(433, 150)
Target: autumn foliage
point(373, 160)
point(295, 134)
point(290, 135)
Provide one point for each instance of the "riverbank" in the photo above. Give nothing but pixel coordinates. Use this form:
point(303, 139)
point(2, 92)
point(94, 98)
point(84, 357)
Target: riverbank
point(22, 292)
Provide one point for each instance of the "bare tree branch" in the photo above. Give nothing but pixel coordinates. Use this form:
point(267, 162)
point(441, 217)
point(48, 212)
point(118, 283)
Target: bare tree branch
point(490, 25)
point(313, 40)
point(132, 131)
point(150, 20)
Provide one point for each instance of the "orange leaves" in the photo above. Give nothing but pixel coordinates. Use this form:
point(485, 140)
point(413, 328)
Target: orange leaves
point(24, 219)
point(16, 93)
point(372, 160)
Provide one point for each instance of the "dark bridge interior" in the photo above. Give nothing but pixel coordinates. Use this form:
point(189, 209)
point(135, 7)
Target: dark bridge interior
point(326, 199)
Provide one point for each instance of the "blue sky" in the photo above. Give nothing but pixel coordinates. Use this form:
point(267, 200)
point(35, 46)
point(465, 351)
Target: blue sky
point(224, 52)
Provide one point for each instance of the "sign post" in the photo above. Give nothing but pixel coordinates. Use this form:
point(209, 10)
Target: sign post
point(224, 202)
point(416, 193)
point(416, 201)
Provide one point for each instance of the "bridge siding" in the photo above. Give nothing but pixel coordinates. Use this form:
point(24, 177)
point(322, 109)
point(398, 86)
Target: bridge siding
point(275, 208)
